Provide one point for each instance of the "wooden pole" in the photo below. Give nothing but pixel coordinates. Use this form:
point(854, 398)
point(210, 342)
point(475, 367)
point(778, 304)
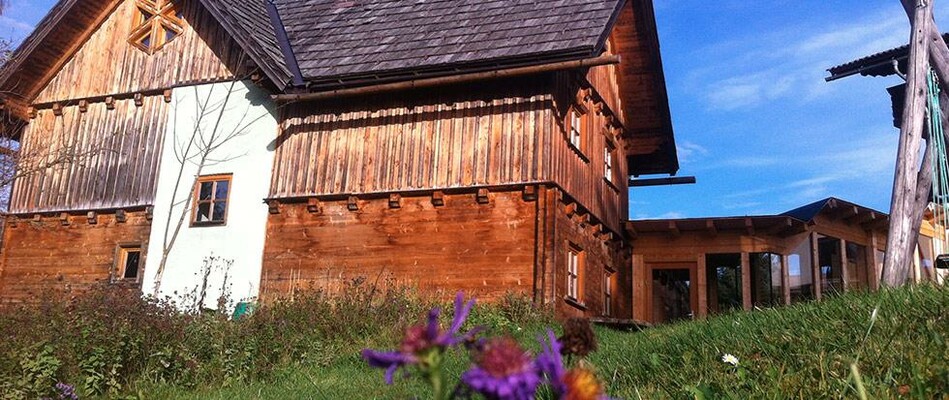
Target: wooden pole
point(938, 50)
point(902, 205)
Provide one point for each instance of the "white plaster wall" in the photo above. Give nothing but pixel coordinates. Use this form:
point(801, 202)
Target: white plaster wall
point(243, 142)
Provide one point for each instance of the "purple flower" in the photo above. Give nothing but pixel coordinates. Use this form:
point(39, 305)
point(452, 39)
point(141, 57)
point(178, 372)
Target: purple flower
point(422, 343)
point(550, 363)
point(503, 371)
point(65, 392)
point(578, 383)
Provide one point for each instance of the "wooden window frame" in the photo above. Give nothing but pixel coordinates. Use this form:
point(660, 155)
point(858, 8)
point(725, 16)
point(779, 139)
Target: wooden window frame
point(575, 265)
point(120, 260)
point(609, 168)
point(164, 17)
point(608, 275)
point(577, 135)
point(196, 202)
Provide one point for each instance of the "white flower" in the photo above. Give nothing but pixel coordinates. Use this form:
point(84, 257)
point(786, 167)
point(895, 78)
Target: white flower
point(730, 359)
point(873, 316)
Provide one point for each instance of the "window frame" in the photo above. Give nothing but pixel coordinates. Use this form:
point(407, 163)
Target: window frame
point(609, 168)
point(576, 141)
point(575, 263)
point(165, 17)
point(120, 261)
point(196, 201)
point(608, 278)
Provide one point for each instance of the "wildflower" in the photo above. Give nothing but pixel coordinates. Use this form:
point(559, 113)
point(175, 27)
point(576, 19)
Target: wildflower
point(65, 392)
point(576, 384)
point(503, 370)
point(578, 338)
point(423, 344)
point(730, 359)
point(581, 384)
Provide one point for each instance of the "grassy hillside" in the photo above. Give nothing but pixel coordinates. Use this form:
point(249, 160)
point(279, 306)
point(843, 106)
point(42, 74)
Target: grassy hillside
point(310, 351)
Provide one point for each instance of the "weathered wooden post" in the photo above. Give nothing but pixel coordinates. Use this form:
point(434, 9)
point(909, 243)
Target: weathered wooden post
point(900, 242)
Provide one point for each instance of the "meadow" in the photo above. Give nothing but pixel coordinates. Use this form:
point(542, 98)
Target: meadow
point(112, 344)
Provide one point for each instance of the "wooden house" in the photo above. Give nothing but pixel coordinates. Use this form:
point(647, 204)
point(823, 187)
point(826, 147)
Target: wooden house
point(257, 148)
point(691, 268)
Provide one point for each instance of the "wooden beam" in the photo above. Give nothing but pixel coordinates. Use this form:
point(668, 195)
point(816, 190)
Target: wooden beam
point(530, 193)
point(314, 206)
point(780, 227)
point(674, 229)
point(710, 227)
point(900, 242)
point(749, 226)
point(746, 283)
point(92, 217)
point(64, 219)
point(83, 105)
point(273, 207)
point(482, 196)
point(815, 266)
point(438, 198)
point(395, 201)
point(121, 216)
point(631, 229)
point(684, 180)
point(352, 203)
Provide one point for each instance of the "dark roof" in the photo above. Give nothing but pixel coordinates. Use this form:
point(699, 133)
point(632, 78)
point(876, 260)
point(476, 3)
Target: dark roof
point(810, 211)
point(250, 24)
point(784, 224)
point(335, 41)
point(879, 64)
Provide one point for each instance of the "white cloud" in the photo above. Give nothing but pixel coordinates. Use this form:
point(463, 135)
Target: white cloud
point(689, 151)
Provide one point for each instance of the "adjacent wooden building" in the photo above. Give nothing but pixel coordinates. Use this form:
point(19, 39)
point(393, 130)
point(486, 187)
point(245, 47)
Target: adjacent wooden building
point(691, 268)
point(258, 148)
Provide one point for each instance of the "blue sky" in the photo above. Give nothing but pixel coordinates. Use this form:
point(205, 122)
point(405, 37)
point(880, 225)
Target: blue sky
point(754, 119)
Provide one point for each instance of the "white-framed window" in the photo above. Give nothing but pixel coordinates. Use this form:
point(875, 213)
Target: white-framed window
point(608, 293)
point(574, 266)
point(608, 163)
point(576, 128)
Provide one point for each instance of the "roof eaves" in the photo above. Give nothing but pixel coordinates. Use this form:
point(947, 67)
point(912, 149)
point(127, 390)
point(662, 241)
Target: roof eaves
point(30, 44)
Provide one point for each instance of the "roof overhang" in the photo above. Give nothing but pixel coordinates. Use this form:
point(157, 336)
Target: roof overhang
point(647, 116)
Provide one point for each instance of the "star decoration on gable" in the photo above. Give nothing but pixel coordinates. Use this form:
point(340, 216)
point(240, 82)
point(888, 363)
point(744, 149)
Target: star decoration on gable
point(159, 22)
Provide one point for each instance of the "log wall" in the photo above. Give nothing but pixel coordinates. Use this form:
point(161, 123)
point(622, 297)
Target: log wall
point(98, 159)
point(108, 64)
point(46, 258)
point(484, 249)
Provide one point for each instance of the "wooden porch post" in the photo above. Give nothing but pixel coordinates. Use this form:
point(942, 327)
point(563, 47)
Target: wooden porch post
point(786, 278)
point(815, 266)
point(746, 281)
point(844, 263)
point(873, 273)
point(701, 287)
point(640, 289)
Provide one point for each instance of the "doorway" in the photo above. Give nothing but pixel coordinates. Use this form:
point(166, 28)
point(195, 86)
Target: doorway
point(672, 295)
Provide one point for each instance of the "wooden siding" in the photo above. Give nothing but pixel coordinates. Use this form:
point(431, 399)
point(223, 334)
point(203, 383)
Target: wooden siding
point(46, 258)
point(115, 163)
point(107, 64)
point(581, 173)
point(496, 134)
point(484, 249)
point(457, 139)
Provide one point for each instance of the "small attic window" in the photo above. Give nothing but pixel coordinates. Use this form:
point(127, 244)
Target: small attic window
point(158, 23)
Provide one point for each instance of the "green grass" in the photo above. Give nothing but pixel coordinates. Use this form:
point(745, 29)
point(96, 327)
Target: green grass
point(311, 350)
point(801, 352)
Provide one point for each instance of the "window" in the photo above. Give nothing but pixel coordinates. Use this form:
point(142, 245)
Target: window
point(128, 263)
point(210, 200)
point(574, 266)
point(608, 293)
point(158, 23)
point(608, 163)
point(724, 289)
point(767, 289)
point(575, 128)
point(831, 265)
point(801, 272)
